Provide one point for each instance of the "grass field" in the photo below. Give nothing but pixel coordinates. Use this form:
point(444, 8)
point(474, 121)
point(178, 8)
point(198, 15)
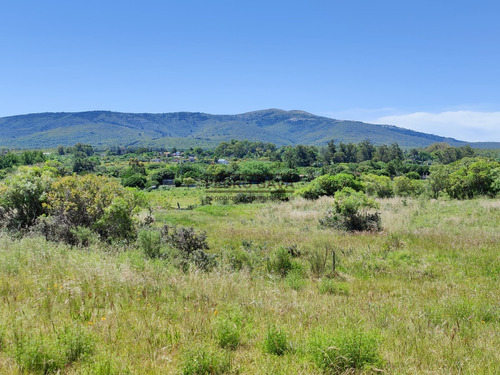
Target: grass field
point(421, 297)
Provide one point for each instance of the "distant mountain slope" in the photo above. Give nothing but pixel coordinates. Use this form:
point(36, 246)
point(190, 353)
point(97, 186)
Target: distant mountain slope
point(186, 129)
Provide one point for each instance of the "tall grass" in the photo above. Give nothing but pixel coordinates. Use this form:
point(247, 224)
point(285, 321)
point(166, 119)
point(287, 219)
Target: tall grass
point(423, 295)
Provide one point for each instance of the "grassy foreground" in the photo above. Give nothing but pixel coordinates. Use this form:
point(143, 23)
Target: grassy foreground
point(422, 297)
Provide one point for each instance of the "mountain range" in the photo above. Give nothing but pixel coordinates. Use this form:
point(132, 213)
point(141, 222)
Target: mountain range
point(191, 129)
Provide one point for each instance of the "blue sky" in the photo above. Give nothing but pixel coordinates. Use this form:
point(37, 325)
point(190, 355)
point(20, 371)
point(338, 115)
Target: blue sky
point(432, 66)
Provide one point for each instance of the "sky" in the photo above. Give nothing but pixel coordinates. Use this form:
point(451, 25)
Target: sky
point(431, 66)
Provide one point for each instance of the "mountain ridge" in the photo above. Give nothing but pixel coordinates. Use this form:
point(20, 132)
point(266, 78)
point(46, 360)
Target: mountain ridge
point(103, 128)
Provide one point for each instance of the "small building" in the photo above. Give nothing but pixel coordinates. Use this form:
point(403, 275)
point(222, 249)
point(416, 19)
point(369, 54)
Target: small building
point(222, 161)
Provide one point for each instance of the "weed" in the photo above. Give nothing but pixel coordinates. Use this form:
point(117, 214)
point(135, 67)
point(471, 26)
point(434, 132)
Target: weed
point(228, 333)
point(331, 286)
point(46, 354)
point(38, 355)
point(295, 279)
point(205, 361)
point(105, 366)
point(317, 262)
point(345, 351)
point(276, 341)
point(76, 343)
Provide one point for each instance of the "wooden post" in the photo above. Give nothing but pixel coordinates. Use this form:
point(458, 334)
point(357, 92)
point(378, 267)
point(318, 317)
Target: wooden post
point(333, 261)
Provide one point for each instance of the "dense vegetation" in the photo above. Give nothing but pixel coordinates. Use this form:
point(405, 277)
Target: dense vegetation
point(350, 258)
point(184, 129)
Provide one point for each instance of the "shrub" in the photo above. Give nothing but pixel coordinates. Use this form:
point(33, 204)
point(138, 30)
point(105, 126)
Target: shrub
point(83, 236)
point(254, 171)
point(205, 361)
point(378, 186)
point(159, 175)
point(317, 262)
point(406, 187)
point(189, 181)
point(185, 239)
point(352, 212)
point(280, 262)
point(96, 202)
point(329, 184)
point(135, 180)
point(23, 195)
point(473, 177)
point(276, 341)
point(289, 175)
point(346, 351)
point(413, 175)
point(149, 242)
point(191, 246)
point(279, 195)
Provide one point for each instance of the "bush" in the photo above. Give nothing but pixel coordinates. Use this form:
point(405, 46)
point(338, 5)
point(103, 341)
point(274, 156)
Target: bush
point(317, 262)
point(191, 246)
point(95, 202)
point(149, 242)
point(406, 187)
point(352, 212)
point(136, 180)
point(276, 341)
point(378, 186)
point(205, 361)
point(23, 196)
point(329, 184)
point(346, 351)
point(159, 175)
point(289, 175)
point(280, 262)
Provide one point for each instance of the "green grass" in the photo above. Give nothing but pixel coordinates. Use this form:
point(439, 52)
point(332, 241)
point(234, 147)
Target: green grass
point(421, 297)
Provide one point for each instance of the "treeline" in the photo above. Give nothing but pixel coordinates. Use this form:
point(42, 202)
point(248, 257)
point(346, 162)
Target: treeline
point(9, 159)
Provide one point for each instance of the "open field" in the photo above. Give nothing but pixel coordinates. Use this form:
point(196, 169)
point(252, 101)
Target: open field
point(422, 296)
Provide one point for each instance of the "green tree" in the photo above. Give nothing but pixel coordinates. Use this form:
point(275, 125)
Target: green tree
point(23, 196)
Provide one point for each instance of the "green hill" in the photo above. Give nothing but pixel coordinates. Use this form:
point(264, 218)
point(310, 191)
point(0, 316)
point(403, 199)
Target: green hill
point(186, 129)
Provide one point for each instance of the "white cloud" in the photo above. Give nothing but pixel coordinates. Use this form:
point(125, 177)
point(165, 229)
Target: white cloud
point(470, 126)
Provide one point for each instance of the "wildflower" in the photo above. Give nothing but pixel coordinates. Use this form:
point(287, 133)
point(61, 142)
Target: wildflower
point(90, 323)
point(215, 312)
point(103, 318)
